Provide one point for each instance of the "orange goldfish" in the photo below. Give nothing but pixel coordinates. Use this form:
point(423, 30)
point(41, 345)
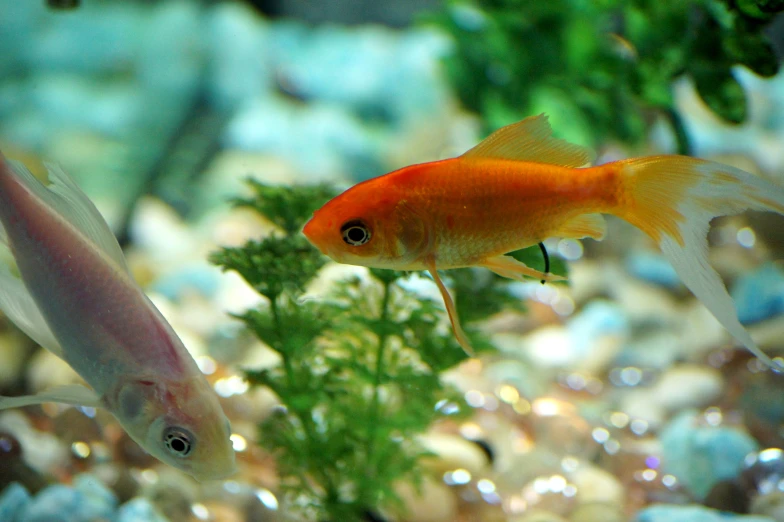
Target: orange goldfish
point(521, 186)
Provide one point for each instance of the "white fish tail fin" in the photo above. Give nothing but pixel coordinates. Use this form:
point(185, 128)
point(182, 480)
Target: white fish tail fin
point(64, 196)
point(18, 305)
point(673, 199)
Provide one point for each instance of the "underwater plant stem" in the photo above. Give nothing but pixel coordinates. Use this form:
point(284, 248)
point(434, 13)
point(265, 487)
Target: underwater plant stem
point(681, 137)
point(305, 420)
point(375, 402)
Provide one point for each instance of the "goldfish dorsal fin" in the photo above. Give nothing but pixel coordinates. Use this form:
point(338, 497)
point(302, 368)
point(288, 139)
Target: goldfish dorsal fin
point(531, 140)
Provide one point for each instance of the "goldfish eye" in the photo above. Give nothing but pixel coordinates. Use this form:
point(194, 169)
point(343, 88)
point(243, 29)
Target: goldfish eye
point(178, 441)
point(355, 232)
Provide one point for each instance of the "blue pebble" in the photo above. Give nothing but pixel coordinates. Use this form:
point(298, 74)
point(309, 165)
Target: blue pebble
point(56, 502)
point(13, 500)
point(200, 277)
point(95, 490)
point(597, 319)
point(138, 510)
point(759, 295)
point(692, 513)
point(700, 456)
point(653, 268)
point(87, 501)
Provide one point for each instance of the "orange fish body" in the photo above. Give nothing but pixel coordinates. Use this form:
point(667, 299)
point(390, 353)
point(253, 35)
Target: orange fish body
point(472, 210)
point(521, 186)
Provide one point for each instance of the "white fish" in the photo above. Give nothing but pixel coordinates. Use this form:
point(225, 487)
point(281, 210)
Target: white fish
point(75, 297)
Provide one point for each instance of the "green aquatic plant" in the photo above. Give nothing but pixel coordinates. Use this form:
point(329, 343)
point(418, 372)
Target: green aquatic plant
point(360, 369)
point(602, 69)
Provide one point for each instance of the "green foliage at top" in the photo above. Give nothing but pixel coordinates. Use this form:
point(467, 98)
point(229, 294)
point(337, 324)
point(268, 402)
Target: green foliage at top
point(599, 68)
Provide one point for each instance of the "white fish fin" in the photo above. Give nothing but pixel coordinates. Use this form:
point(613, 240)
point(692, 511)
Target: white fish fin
point(531, 140)
point(74, 394)
point(66, 198)
point(451, 310)
point(673, 199)
point(18, 305)
point(3, 234)
point(509, 267)
point(587, 225)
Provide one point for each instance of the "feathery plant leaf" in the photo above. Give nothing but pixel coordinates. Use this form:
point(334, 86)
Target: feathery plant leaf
point(360, 368)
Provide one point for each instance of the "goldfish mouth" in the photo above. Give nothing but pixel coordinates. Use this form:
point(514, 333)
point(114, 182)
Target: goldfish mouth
point(309, 232)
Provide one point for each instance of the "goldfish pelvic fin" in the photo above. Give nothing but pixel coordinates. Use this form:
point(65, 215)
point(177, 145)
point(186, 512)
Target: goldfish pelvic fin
point(673, 199)
point(451, 310)
point(74, 394)
point(531, 140)
point(65, 197)
point(509, 267)
point(19, 306)
point(587, 225)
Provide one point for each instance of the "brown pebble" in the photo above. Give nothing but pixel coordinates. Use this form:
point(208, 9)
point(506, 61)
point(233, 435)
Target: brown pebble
point(13, 467)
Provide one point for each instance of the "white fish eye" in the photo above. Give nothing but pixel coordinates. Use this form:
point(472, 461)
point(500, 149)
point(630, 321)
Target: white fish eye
point(355, 232)
point(178, 441)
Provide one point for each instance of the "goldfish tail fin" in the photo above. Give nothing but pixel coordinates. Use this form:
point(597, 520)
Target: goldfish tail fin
point(673, 199)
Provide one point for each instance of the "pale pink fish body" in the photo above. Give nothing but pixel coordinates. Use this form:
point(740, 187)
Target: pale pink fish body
point(76, 298)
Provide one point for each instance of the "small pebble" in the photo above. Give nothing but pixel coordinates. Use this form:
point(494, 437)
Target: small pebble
point(13, 500)
point(538, 515)
point(691, 513)
point(770, 505)
point(653, 268)
point(598, 512)
point(452, 452)
point(679, 387)
point(42, 450)
point(436, 503)
point(701, 455)
point(759, 295)
point(138, 510)
point(67, 504)
point(595, 485)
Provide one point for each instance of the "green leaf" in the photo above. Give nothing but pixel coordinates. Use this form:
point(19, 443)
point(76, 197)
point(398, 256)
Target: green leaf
point(287, 207)
point(723, 94)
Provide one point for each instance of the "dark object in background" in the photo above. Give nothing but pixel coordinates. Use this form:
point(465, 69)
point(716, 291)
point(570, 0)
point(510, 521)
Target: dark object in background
point(399, 13)
point(63, 4)
point(13, 467)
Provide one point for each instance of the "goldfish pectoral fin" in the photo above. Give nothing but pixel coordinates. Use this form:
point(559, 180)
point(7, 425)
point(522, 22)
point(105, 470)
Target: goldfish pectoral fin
point(65, 197)
point(587, 225)
point(509, 267)
point(673, 199)
point(73, 394)
point(19, 306)
point(531, 140)
point(451, 310)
